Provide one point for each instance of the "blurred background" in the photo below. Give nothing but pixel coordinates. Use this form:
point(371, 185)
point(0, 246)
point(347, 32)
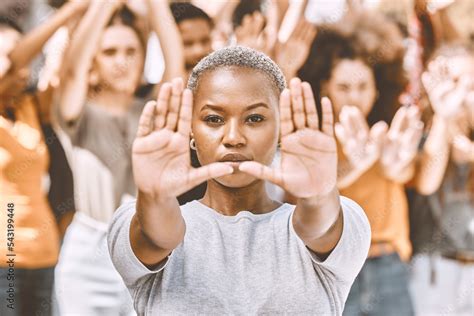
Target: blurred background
point(75, 75)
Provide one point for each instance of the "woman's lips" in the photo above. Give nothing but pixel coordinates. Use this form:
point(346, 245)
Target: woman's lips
point(234, 157)
point(234, 160)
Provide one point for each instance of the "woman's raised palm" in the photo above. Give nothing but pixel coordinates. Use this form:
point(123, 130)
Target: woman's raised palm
point(308, 165)
point(160, 154)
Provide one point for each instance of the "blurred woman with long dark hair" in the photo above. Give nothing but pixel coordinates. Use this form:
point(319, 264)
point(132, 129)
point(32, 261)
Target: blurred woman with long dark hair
point(358, 64)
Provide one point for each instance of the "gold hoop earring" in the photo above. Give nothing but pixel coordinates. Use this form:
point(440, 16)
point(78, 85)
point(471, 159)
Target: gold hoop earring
point(192, 144)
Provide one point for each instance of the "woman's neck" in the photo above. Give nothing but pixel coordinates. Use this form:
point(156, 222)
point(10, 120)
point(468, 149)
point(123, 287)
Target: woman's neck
point(230, 201)
point(114, 102)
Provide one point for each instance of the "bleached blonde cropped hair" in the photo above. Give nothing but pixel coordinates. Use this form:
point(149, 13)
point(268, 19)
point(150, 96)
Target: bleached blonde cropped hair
point(238, 56)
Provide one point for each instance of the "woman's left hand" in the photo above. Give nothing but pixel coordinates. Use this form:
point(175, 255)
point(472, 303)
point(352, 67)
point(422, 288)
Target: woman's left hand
point(308, 167)
point(253, 33)
point(292, 54)
point(401, 144)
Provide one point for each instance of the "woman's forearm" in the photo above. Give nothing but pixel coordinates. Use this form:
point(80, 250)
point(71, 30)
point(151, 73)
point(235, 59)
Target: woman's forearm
point(318, 222)
point(293, 13)
point(31, 44)
point(82, 49)
point(224, 13)
point(156, 228)
point(170, 38)
point(94, 17)
point(434, 158)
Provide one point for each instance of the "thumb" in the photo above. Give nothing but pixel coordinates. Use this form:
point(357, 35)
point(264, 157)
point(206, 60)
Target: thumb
point(378, 132)
point(214, 170)
point(340, 133)
point(263, 172)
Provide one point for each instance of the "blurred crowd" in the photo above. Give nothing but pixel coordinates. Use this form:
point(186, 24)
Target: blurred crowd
point(75, 75)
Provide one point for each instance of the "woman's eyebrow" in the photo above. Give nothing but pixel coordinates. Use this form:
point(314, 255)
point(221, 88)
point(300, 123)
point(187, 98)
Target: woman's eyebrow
point(256, 105)
point(221, 109)
point(212, 107)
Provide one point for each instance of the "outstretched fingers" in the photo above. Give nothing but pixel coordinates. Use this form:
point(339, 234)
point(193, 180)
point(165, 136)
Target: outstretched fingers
point(298, 30)
point(346, 119)
point(328, 117)
point(310, 33)
point(263, 172)
point(377, 133)
point(312, 120)
point(297, 105)
point(258, 22)
point(360, 123)
point(286, 123)
point(162, 106)
point(204, 173)
point(185, 113)
point(174, 104)
point(399, 123)
point(346, 131)
point(411, 138)
point(145, 124)
point(341, 133)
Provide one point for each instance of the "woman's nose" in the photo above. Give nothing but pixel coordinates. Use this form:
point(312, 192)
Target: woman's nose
point(353, 97)
point(121, 61)
point(233, 135)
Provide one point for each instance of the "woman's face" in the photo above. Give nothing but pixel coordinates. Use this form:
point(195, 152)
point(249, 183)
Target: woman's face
point(352, 82)
point(119, 61)
point(459, 69)
point(235, 114)
point(196, 35)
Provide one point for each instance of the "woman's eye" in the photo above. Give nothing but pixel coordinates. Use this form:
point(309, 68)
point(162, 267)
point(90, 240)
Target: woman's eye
point(109, 52)
point(343, 88)
point(255, 118)
point(214, 119)
point(362, 87)
point(130, 52)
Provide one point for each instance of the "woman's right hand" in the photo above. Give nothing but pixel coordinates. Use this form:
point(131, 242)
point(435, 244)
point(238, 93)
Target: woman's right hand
point(292, 54)
point(361, 145)
point(401, 144)
point(252, 33)
point(446, 94)
point(161, 153)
